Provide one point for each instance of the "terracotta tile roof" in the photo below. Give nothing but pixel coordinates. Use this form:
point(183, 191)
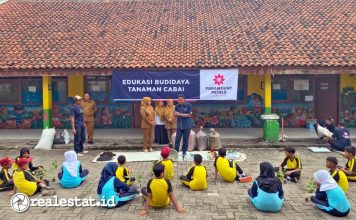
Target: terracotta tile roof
point(177, 34)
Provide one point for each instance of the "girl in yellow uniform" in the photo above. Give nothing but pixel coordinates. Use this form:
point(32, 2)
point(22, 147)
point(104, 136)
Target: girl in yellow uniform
point(196, 177)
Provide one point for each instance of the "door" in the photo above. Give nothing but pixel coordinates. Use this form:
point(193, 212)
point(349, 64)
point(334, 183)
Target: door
point(326, 97)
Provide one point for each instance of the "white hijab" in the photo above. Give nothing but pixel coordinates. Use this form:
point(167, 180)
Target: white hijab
point(325, 180)
point(71, 163)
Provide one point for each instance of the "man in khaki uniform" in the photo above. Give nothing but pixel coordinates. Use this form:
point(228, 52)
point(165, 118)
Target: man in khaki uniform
point(89, 108)
point(147, 124)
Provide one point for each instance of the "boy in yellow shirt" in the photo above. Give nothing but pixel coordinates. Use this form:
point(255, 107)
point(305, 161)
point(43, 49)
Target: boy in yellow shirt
point(293, 163)
point(159, 192)
point(196, 177)
point(227, 169)
point(350, 167)
point(122, 173)
point(338, 175)
point(168, 163)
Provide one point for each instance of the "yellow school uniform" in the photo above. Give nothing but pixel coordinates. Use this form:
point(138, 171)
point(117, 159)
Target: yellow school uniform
point(294, 164)
point(197, 176)
point(122, 173)
point(25, 182)
point(168, 168)
point(4, 176)
point(159, 188)
point(351, 166)
point(225, 169)
point(341, 179)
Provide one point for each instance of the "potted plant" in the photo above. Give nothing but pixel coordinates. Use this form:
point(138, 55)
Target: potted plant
point(311, 189)
point(42, 173)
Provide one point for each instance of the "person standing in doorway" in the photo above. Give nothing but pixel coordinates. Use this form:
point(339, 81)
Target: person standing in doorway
point(148, 123)
point(161, 136)
point(89, 109)
point(170, 120)
point(78, 126)
point(183, 112)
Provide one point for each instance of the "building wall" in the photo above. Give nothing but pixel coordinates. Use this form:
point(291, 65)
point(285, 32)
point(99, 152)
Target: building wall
point(243, 114)
point(347, 100)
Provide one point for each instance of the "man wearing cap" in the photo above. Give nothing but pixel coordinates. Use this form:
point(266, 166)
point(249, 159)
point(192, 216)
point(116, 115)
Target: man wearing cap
point(89, 109)
point(6, 182)
point(78, 126)
point(183, 112)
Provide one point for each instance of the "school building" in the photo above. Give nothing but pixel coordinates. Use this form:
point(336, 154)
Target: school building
point(295, 59)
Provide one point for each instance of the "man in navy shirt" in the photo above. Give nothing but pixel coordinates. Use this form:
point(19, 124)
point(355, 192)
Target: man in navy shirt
point(78, 126)
point(341, 138)
point(183, 112)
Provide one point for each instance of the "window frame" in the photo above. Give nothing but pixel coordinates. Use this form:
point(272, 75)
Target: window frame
point(65, 79)
point(289, 84)
point(19, 97)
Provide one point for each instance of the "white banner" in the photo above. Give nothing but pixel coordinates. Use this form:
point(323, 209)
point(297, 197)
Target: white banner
point(218, 84)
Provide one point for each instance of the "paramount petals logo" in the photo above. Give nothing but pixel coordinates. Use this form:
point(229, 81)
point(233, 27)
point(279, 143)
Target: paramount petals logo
point(219, 79)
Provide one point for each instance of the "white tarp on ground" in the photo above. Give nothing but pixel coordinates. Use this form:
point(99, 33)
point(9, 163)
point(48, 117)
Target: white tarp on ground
point(156, 155)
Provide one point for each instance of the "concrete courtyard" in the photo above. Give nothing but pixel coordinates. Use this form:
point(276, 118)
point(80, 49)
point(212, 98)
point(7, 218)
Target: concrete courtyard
point(220, 201)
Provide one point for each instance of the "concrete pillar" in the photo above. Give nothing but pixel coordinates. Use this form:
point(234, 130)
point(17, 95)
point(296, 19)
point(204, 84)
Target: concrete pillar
point(47, 101)
point(268, 94)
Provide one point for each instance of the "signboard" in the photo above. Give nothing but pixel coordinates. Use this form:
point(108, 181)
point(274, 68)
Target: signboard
point(168, 84)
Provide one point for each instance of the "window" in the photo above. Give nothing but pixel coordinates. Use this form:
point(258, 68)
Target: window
point(98, 88)
point(31, 91)
point(241, 89)
point(9, 91)
point(279, 89)
point(300, 88)
point(292, 88)
point(59, 90)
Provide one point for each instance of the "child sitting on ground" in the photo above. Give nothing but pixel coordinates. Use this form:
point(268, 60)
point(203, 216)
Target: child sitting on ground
point(167, 163)
point(227, 169)
point(338, 175)
point(25, 153)
point(71, 174)
point(293, 163)
point(159, 192)
point(26, 182)
point(196, 177)
point(122, 173)
point(329, 196)
point(267, 193)
point(350, 167)
point(111, 191)
point(6, 181)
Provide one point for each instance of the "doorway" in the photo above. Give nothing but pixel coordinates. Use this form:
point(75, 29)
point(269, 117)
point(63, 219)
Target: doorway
point(326, 97)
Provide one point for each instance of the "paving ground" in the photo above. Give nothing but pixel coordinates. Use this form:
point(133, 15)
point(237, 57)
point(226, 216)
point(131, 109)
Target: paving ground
point(220, 201)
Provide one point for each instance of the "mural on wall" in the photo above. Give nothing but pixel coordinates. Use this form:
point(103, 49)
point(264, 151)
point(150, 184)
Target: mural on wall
point(107, 116)
point(248, 115)
point(348, 107)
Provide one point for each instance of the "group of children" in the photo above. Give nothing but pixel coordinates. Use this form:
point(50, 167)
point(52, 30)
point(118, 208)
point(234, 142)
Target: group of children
point(266, 193)
point(25, 177)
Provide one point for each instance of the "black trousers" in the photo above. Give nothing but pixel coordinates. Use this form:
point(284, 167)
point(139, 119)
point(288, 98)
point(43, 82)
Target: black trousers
point(7, 186)
point(325, 203)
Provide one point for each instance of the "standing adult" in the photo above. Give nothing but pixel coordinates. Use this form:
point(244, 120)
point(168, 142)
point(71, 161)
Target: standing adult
point(170, 120)
point(160, 130)
point(78, 126)
point(183, 112)
point(148, 123)
point(89, 109)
